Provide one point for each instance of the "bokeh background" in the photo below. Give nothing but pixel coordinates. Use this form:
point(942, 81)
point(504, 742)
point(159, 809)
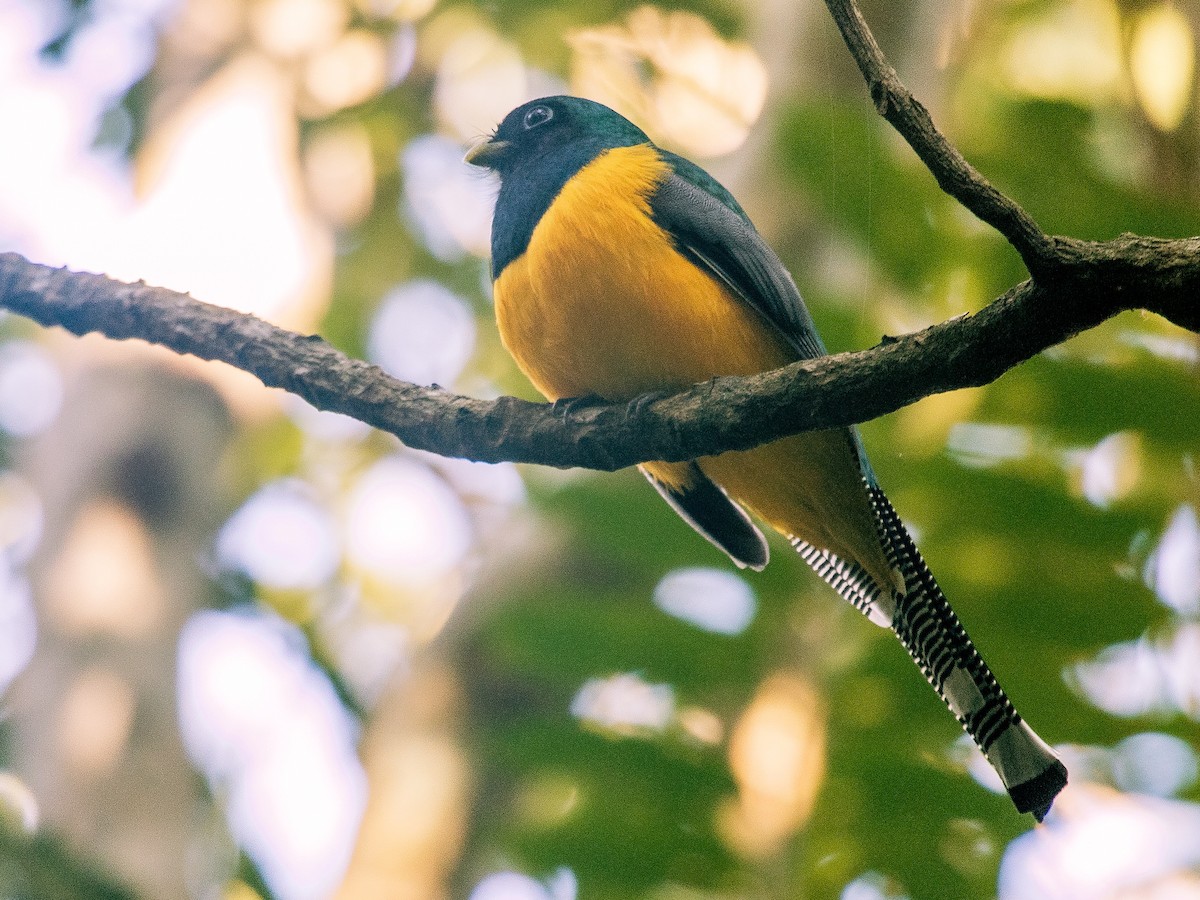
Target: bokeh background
point(250, 650)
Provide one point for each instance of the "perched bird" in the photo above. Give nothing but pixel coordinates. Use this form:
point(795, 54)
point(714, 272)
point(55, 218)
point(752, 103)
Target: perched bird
point(621, 269)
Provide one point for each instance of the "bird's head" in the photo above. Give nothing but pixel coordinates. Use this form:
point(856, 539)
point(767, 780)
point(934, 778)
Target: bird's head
point(551, 126)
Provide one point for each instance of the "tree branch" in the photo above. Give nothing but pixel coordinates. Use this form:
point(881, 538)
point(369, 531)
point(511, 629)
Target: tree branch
point(1075, 285)
point(911, 119)
point(721, 414)
point(1071, 266)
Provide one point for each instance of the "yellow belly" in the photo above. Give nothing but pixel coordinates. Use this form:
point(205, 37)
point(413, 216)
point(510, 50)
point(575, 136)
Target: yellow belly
point(584, 313)
point(601, 303)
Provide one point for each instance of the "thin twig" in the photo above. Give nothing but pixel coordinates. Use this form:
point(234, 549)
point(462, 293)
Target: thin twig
point(911, 119)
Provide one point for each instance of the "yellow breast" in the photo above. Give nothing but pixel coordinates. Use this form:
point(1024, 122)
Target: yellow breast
point(602, 303)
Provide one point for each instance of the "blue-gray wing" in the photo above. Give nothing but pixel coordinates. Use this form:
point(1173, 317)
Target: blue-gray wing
point(710, 228)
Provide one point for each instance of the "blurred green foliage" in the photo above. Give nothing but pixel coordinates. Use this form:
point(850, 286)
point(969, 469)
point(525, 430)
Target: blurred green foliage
point(1042, 578)
point(39, 867)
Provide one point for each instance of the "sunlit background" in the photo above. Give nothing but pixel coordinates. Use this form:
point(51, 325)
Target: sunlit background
point(253, 650)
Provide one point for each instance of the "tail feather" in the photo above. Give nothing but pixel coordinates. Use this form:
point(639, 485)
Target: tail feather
point(850, 580)
point(922, 619)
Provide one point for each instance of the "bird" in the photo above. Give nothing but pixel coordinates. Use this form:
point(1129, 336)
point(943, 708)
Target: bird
point(621, 269)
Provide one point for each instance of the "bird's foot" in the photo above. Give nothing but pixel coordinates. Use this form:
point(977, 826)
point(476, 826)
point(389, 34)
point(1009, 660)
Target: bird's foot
point(565, 407)
point(638, 404)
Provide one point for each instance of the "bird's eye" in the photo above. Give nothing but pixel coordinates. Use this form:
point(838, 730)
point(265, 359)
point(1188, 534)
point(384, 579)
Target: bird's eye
point(539, 115)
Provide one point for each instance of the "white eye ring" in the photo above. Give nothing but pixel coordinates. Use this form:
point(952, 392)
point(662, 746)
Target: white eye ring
point(539, 115)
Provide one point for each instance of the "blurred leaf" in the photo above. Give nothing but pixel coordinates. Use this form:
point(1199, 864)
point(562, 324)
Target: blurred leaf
point(42, 868)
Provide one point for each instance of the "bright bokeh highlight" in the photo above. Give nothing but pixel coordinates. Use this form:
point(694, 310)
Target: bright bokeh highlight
point(712, 599)
point(404, 526)
point(777, 756)
point(1162, 62)
point(31, 388)
point(449, 204)
point(423, 333)
point(1173, 570)
point(1101, 844)
point(625, 704)
point(283, 537)
point(673, 73)
point(516, 886)
point(267, 729)
point(18, 625)
point(1068, 51)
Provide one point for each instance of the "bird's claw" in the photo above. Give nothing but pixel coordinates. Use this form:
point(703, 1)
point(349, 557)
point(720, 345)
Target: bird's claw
point(635, 406)
point(565, 407)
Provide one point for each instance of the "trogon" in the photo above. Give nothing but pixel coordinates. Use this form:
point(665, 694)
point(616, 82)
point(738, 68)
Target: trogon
point(621, 269)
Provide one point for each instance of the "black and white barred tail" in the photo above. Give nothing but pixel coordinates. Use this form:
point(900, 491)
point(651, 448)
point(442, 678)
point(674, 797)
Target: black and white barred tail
point(931, 632)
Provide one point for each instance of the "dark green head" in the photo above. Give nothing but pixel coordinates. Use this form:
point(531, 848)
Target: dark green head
point(554, 131)
point(535, 151)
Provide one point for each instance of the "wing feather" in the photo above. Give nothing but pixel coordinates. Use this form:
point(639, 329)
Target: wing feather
point(719, 238)
point(706, 508)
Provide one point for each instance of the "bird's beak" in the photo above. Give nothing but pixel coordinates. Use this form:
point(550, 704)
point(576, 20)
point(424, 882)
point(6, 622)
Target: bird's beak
point(485, 153)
